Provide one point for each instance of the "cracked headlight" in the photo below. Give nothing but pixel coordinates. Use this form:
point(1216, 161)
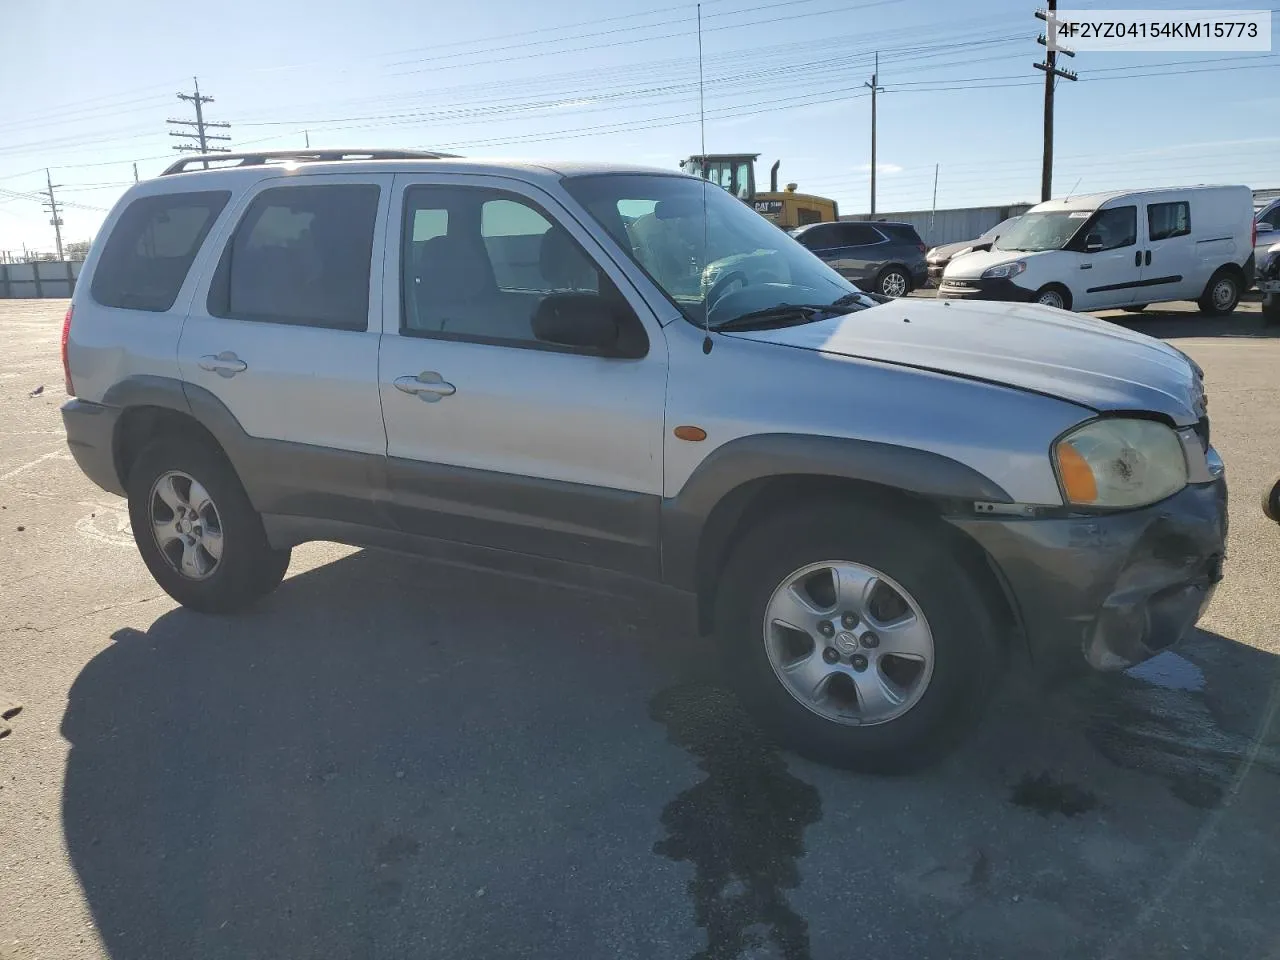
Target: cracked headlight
point(1119, 463)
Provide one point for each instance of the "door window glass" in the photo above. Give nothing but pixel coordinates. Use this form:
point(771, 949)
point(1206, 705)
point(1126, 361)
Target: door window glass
point(301, 255)
point(858, 235)
point(486, 274)
point(1166, 220)
point(1114, 228)
point(152, 247)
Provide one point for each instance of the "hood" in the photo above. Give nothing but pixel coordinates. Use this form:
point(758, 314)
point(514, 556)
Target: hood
point(1025, 346)
point(945, 251)
point(971, 265)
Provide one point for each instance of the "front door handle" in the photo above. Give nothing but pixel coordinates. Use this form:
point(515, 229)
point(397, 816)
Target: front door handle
point(428, 386)
point(224, 364)
point(1137, 259)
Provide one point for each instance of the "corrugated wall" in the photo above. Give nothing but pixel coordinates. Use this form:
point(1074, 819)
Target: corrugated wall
point(43, 278)
point(948, 226)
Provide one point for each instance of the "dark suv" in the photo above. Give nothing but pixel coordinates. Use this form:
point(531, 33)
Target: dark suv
point(883, 257)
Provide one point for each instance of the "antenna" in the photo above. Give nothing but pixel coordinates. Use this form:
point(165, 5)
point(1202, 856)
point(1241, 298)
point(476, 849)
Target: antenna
point(702, 129)
point(1073, 189)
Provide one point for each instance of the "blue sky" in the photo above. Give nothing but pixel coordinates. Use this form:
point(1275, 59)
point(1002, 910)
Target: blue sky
point(88, 88)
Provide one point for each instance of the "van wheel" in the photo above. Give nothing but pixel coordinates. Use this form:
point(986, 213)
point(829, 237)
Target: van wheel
point(1053, 295)
point(196, 530)
point(1135, 308)
point(893, 282)
point(1220, 295)
point(852, 642)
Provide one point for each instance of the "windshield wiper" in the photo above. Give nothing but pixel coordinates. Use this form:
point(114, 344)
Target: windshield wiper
point(785, 315)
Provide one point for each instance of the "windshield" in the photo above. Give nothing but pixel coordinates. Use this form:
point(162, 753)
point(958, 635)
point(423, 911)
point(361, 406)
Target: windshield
point(716, 267)
point(1000, 229)
point(1043, 231)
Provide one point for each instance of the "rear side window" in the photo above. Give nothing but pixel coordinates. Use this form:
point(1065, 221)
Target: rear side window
point(301, 256)
point(901, 232)
point(152, 247)
point(858, 235)
point(1166, 220)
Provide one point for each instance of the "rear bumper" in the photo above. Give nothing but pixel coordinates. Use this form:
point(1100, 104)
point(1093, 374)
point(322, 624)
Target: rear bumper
point(1110, 591)
point(999, 289)
point(91, 430)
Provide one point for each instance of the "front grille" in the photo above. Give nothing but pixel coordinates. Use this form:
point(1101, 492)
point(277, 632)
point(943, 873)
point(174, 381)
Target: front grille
point(1202, 431)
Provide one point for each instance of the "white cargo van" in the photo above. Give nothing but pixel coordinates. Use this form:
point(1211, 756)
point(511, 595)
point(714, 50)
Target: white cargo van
point(1124, 249)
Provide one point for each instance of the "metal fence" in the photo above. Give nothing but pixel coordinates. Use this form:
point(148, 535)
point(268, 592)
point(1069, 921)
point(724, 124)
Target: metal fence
point(948, 226)
point(40, 278)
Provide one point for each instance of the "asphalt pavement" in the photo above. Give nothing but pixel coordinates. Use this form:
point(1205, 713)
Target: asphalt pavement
point(392, 758)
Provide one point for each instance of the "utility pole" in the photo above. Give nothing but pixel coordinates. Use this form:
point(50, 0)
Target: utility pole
point(52, 206)
point(1051, 72)
point(875, 88)
point(307, 134)
point(201, 135)
point(135, 171)
point(934, 210)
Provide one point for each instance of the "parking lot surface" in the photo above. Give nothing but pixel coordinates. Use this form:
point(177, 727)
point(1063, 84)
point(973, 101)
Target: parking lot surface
point(391, 758)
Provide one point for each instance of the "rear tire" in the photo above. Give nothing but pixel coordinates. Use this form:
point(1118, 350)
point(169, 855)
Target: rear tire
point(1053, 295)
point(893, 282)
point(1271, 501)
point(850, 721)
point(1221, 294)
point(196, 529)
point(1271, 309)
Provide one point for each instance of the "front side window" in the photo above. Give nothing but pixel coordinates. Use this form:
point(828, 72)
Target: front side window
point(152, 247)
point(713, 256)
point(1166, 220)
point(485, 265)
point(300, 255)
point(1112, 229)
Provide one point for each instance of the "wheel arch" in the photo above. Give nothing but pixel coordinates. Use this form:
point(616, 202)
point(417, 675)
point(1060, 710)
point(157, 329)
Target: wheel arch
point(752, 477)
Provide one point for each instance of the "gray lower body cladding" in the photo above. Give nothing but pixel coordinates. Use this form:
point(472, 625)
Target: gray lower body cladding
point(90, 430)
point(1110, 590)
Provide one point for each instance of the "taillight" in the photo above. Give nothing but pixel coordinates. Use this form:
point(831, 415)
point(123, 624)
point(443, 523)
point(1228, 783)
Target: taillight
point(66, 365)
point(921, 247)
point(1254, 241)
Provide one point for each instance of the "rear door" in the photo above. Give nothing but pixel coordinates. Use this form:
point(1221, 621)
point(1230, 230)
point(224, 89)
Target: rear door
point(1169, 267)
point(284, 334)
point(855, 250)
point(496, 438)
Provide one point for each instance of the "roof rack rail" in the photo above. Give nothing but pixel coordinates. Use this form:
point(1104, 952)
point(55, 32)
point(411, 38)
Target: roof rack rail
point(258, 158)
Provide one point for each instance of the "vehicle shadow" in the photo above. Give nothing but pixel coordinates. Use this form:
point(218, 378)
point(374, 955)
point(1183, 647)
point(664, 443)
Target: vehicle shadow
point(1168, 323)
point(393, 758)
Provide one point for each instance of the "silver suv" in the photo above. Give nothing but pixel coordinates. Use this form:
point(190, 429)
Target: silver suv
point(584, 368)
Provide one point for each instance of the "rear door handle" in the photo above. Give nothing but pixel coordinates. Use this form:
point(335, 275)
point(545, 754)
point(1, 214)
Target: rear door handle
point(1147, 259)
point(224, 364)
point(428, 386)
point(1137, 258)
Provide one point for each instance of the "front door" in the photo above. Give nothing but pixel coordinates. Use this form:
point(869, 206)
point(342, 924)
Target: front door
point(1109, 261)
point(284, 331)
point(495, 437)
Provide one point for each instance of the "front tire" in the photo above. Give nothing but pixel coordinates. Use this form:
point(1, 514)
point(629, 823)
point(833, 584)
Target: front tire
point(1053, 295)
point(1135, 308)
point(1221, 295)
point(1271, 501)
point(857, 637)
point(196, 529)
point(1271, 309)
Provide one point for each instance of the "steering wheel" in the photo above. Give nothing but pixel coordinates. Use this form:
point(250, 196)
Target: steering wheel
point(717, 289)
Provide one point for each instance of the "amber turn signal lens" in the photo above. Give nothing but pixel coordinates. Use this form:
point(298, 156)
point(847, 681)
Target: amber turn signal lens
point(690, 433)
point(1077, 478)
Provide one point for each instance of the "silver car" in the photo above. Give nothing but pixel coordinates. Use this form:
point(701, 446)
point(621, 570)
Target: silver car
point(584, 370)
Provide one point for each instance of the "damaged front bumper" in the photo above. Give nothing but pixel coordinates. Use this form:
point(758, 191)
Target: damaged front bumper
point(1110, 590)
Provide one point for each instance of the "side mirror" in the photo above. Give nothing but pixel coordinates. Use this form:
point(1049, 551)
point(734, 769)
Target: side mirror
point(1092, 243)
point(1265, 227)
point(588, 322)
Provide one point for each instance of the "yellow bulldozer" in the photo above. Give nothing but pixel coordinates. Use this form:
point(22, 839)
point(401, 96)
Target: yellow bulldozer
point(736, 173)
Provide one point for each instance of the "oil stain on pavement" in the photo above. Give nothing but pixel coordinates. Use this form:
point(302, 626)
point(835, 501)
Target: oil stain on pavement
point(742, 827)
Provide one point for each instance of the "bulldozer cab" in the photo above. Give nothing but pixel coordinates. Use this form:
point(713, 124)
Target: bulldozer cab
point(736, 173)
